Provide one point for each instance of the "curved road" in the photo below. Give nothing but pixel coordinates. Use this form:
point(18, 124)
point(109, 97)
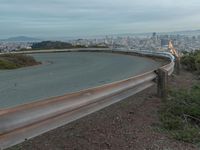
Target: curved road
point(62, 73)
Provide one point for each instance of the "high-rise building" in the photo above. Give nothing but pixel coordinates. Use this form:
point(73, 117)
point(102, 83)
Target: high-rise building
point(154, 35)
point(164, 42)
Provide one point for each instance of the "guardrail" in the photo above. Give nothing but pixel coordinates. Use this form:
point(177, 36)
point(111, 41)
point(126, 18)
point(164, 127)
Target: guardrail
point(26, 121)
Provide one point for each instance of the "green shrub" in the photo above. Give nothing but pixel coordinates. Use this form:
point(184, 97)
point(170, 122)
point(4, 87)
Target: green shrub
point(188, 134)
point(188, 62)
point(13, 61)
point(197, 62)
point(180, 114)
point(191, 61)
point(171, 122)
point(7, 65)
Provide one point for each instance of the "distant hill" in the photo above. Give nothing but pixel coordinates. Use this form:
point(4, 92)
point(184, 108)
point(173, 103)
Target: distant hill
point(189, 32)
point(51, 45)
point(60, 45)
point(186, 32)
point(21, 39)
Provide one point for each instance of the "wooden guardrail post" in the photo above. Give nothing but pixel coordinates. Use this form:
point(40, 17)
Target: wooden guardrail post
point(177, 65)
point(162, 83)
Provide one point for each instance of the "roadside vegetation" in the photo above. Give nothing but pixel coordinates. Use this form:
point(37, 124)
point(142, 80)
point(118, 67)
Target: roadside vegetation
point(180, 112)
point(14, 61)
point(191, 61)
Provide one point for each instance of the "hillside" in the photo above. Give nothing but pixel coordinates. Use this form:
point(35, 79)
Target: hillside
point(14, 61)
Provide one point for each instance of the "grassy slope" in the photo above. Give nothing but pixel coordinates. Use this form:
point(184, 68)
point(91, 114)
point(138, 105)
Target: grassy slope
point(13, 61)
point(180, 113)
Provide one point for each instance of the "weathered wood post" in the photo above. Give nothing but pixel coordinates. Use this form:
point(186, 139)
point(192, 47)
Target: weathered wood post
point(162, 83)
point(177, 65)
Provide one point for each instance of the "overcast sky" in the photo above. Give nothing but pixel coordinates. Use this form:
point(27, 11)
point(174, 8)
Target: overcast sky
point(54, 18)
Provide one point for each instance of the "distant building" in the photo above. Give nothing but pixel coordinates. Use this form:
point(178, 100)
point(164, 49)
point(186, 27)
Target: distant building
point(164, 43)
point(154, 35)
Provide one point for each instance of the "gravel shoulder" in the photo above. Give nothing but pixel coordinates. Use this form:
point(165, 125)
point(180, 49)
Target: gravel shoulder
point(128, 125)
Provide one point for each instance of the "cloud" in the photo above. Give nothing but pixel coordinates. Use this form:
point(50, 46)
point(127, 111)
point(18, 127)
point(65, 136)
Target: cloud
point(69, 17)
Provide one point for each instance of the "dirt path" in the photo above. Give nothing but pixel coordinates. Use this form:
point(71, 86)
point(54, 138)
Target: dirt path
point(128, 125)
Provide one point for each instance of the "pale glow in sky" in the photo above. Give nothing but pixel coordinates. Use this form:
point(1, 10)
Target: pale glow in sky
point(61, 18)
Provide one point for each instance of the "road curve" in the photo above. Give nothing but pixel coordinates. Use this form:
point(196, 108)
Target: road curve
point(62, 73)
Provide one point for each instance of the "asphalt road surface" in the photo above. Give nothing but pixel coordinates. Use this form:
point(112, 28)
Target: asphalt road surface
point(62, 73)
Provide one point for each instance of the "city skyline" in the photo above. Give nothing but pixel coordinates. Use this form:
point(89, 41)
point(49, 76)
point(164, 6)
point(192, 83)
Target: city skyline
point(57, 18)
